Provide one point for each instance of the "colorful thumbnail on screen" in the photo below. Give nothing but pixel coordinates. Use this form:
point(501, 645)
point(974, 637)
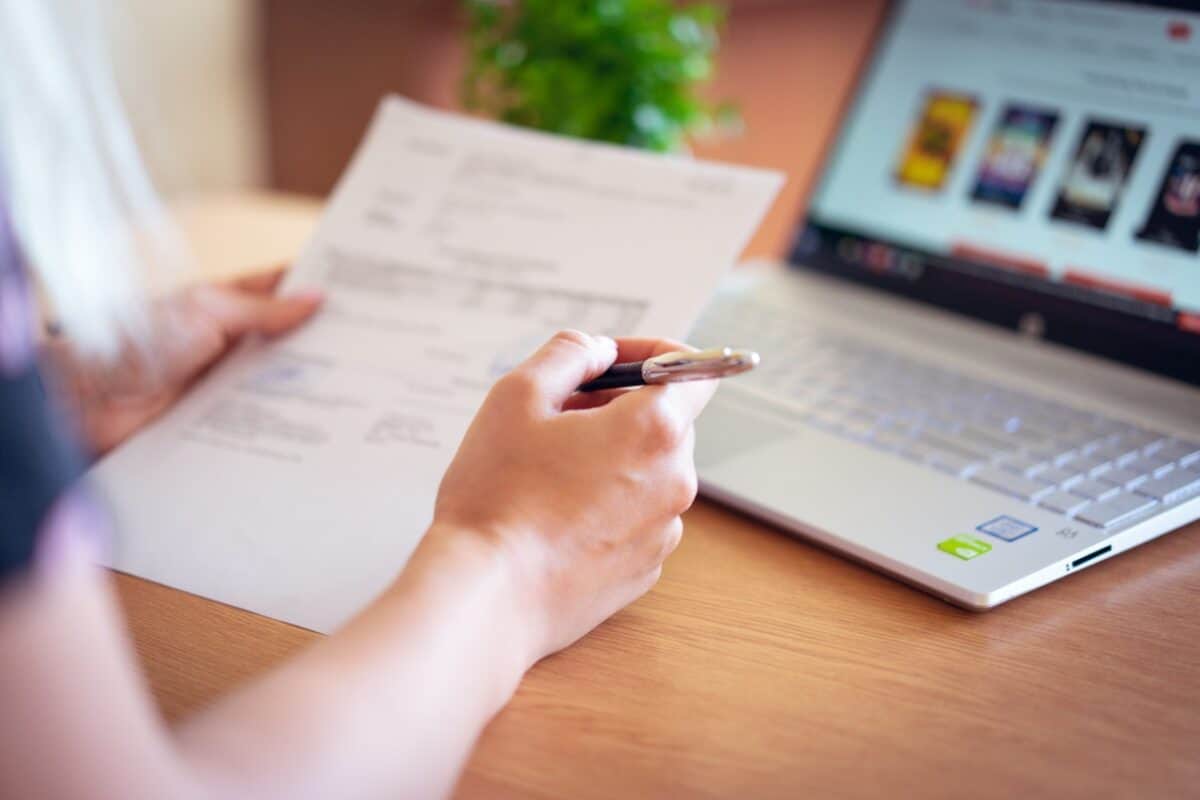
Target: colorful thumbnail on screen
point(1097, 173)
point(936, 139)
point(1174, 219)
point(1015, 154)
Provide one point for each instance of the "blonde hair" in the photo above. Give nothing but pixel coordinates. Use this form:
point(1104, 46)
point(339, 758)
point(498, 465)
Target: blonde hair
point(83, 209)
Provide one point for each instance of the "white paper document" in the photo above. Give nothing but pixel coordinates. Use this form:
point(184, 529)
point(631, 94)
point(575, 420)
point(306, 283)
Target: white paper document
point(297, 478)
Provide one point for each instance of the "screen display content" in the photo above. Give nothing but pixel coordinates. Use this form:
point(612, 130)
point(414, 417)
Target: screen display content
point(936, 139)
point(1041, 148)
point(1174, 220)
point(1097, 174)
point(1015, 154)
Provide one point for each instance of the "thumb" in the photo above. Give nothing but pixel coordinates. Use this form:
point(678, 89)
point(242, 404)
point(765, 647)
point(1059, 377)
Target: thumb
point(238, 313)
point(559, 366)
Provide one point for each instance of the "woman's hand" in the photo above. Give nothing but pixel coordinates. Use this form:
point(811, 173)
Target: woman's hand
point(580, 495)
point(190, 331)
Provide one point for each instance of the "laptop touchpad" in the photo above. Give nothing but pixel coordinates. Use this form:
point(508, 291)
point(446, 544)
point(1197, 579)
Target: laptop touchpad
point(727, 428)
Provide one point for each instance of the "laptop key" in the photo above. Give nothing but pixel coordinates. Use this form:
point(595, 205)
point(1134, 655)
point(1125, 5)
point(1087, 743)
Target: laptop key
point(1065, 457)
point(952, 444)
point(1011, 484)
point(1115, 510)
point(1153, 466)
point(1124, 477)
point(1028, 437)
point(1094, 490)
point(1022, 464)
point(1090, 465)
point(951, 462)
point(983, 439)
point(1119, 454)
point(1183, 452)
point(1059, 476)
point(1084, 441)
point(1153, 447)
point(1142, 440)
point(1172, 486)
point(1064, 502)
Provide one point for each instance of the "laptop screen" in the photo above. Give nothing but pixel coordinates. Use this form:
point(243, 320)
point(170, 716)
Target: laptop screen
point(1032, 163)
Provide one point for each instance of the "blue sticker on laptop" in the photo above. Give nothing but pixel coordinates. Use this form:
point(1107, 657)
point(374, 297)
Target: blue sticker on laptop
point(1007, 528)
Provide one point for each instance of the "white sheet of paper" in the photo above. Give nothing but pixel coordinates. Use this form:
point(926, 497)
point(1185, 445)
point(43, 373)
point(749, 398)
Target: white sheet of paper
point(296, 480)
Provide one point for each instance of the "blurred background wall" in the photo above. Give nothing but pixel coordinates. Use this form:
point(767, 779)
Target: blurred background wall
point(190, 72)
point(234, 94)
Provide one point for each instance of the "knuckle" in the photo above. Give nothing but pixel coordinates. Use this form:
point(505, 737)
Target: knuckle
point(520, 385)
point(685, 490)
point(664, 429)
point(572, 338)
point(652, 578)
point(672, 536)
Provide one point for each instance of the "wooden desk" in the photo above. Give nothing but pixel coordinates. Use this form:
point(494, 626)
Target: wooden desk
point(762, 666)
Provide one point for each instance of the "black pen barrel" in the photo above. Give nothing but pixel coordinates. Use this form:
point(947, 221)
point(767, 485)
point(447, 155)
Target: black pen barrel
point(618, 376)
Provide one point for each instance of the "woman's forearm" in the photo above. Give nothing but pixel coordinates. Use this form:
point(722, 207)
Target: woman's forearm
point(391, 705)
point(387, 707)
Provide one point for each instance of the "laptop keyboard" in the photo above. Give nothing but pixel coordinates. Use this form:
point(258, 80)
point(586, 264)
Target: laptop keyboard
point(1098, 470)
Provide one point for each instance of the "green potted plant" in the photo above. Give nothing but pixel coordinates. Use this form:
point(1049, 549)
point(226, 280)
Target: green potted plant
point(621, 71)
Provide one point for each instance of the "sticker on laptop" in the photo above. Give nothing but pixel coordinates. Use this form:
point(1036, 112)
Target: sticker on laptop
point(1007, 528)
point(964, 546)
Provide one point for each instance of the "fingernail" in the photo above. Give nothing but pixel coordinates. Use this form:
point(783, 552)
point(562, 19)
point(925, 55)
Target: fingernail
point(607, 341)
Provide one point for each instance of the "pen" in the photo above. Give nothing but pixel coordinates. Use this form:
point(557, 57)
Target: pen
point(698, 365)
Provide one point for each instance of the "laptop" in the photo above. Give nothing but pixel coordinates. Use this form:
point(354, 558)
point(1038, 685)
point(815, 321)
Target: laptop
point(981, 363)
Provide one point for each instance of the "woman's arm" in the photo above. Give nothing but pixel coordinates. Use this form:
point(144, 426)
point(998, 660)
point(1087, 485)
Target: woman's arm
point(391, 705)
point(556, 513)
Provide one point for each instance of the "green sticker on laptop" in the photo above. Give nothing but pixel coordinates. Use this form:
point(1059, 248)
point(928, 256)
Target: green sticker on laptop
point(964, 546)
